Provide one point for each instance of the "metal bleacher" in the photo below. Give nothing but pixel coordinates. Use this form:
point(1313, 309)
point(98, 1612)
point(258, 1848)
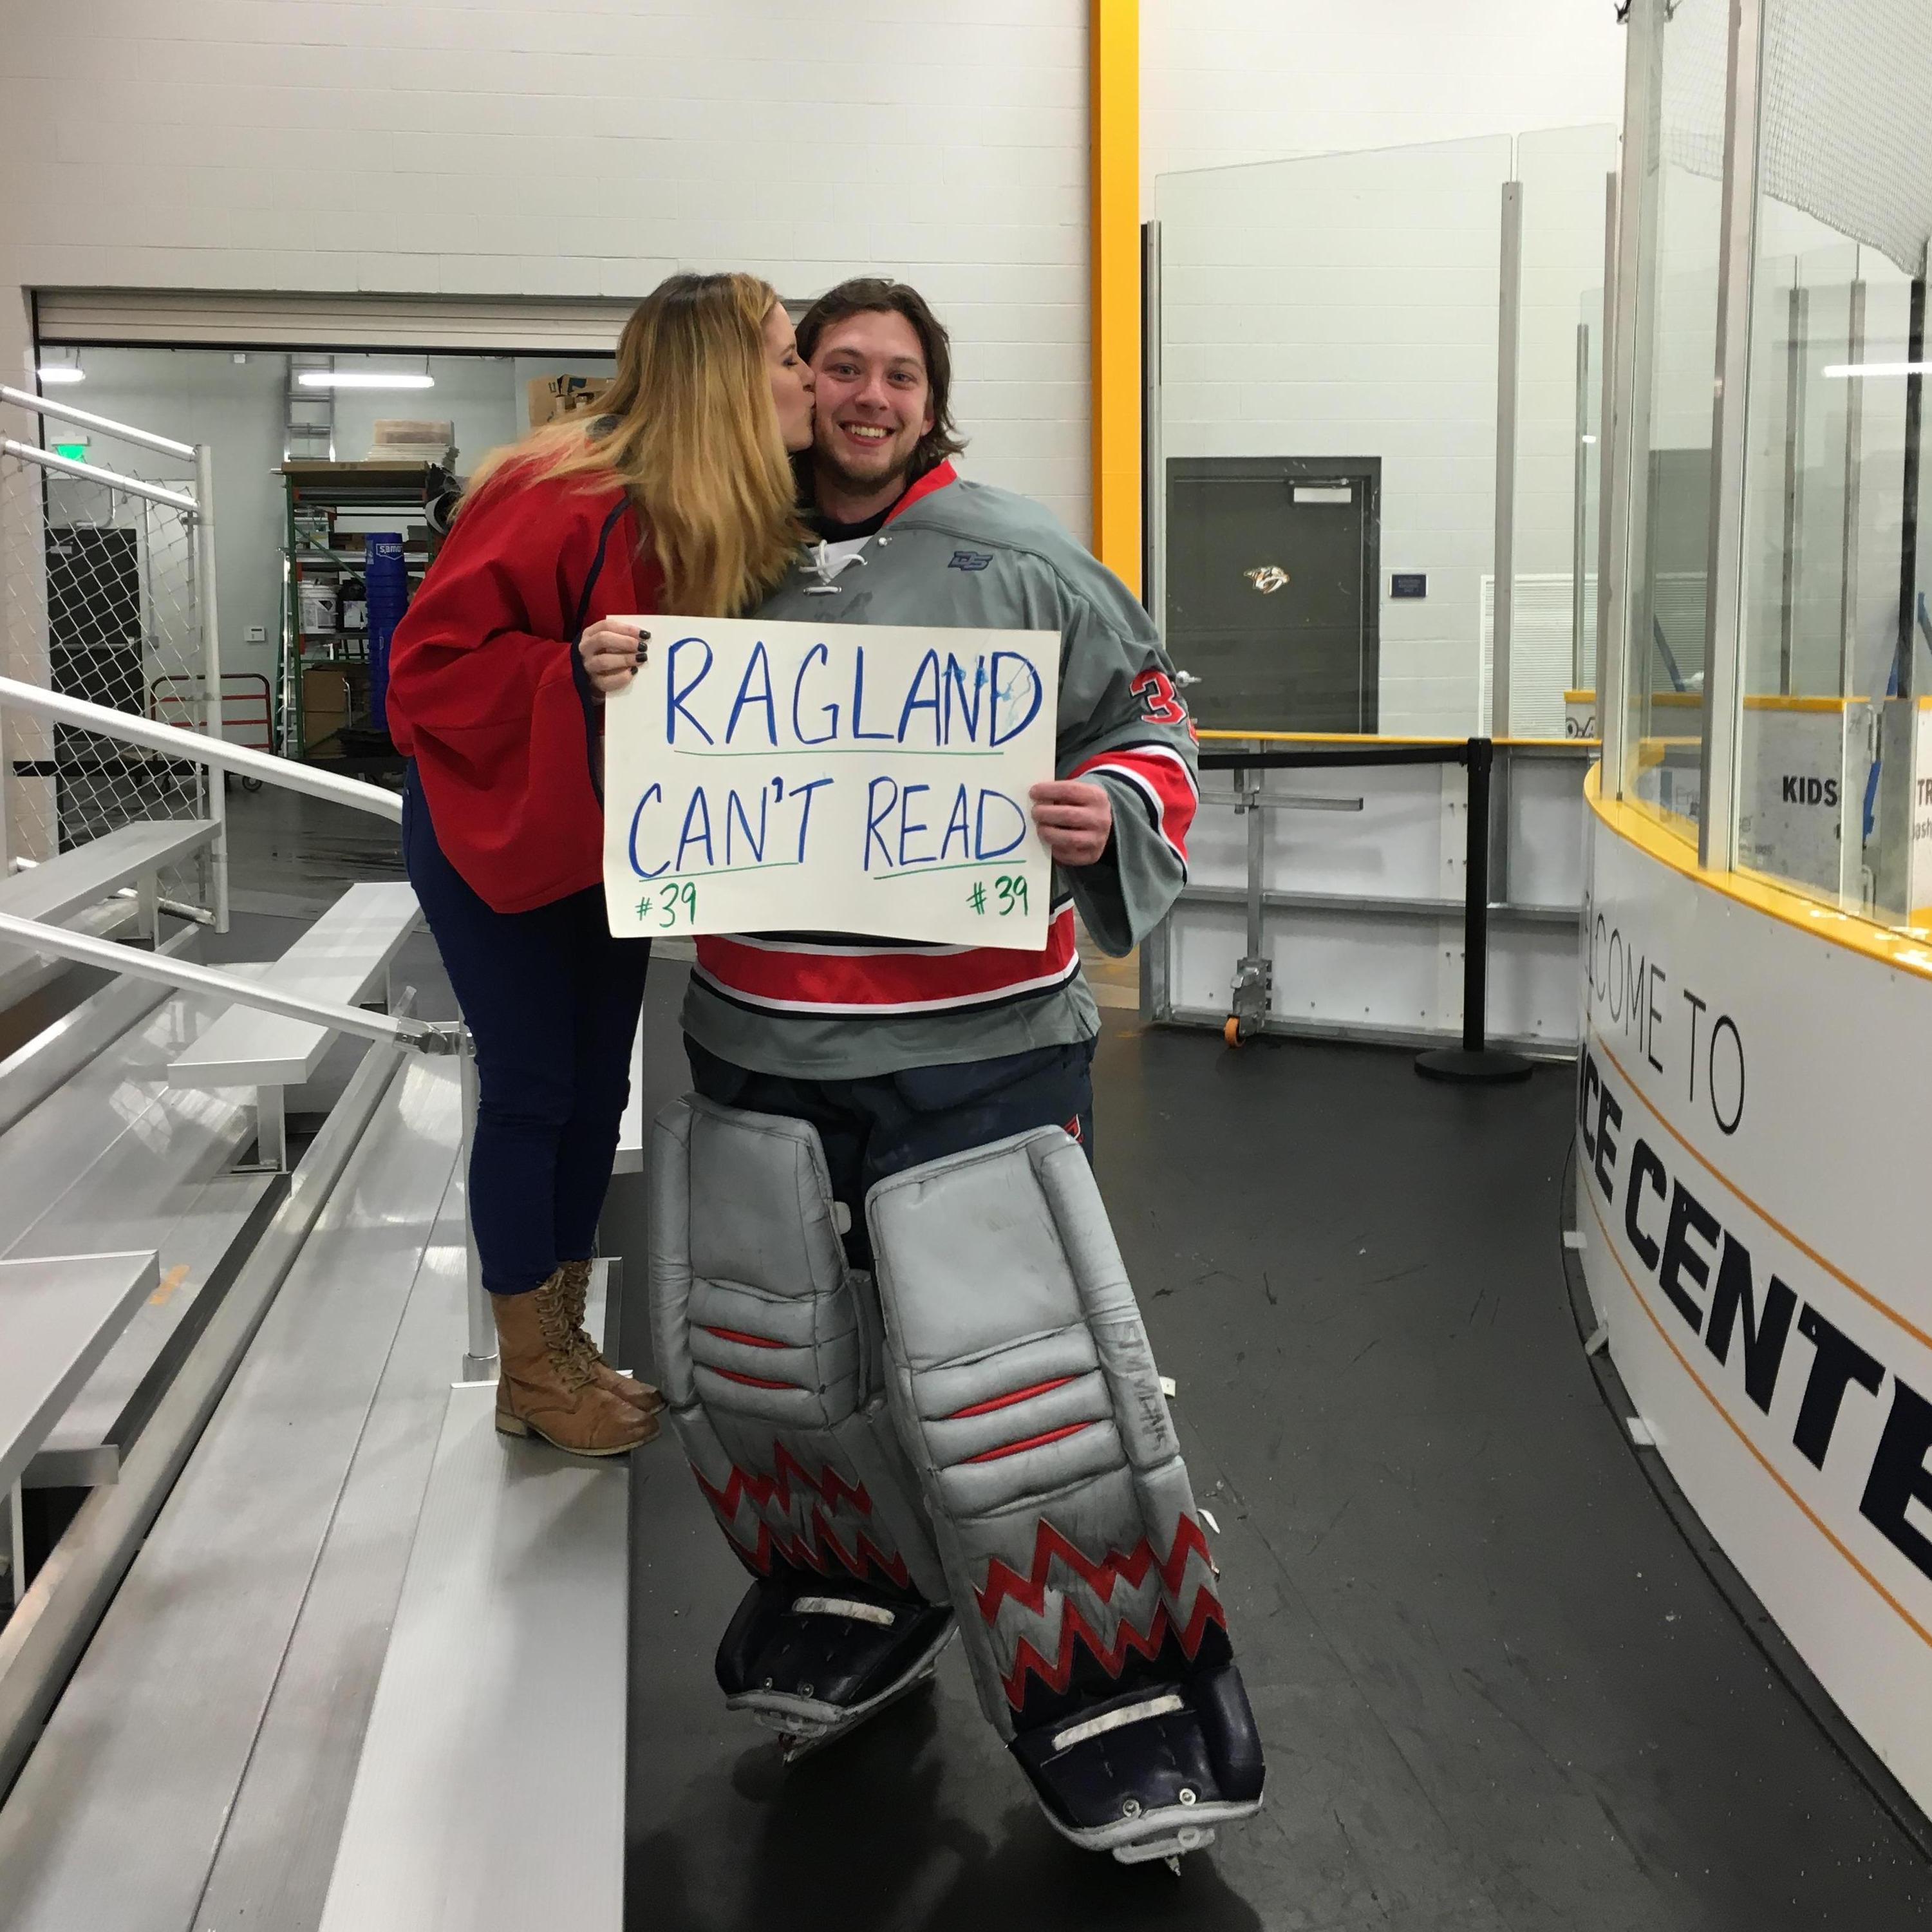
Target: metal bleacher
point(101, 889)
point(280, 1578)
point(61, 1314)
point(517, 1578)
point(340, 957)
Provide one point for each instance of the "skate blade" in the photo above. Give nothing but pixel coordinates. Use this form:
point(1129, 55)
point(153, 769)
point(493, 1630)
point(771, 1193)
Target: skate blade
point(800, 1735)
point(1169, 1835)
point(1172, 1846)
point(793, 1746)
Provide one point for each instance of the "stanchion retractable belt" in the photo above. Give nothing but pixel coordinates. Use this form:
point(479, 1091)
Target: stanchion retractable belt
point(1342, 755)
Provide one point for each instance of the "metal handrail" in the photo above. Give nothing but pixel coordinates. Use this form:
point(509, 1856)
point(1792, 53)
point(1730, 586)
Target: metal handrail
point(46, 405)
point(424, 1036)
point(196, 745)
point(109, 479)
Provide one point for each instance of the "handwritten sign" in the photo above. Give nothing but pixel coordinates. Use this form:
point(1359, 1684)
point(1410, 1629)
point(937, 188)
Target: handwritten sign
point(773, 777)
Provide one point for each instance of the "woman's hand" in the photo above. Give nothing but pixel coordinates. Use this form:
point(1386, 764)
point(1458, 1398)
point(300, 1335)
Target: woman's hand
point(1074, 819)
point(612, 653)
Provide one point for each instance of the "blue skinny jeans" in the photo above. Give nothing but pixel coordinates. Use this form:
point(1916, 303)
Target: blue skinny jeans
point(551, 1000)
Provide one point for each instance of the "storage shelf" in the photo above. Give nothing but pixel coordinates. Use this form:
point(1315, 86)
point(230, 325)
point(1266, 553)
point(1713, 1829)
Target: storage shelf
point(314, 552)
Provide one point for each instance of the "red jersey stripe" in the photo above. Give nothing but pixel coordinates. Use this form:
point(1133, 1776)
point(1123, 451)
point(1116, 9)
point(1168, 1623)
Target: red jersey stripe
point(1161, 777)
point(804, 981)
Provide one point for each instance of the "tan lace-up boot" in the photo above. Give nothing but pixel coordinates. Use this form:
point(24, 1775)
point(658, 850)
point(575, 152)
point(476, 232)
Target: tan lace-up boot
point(577, 1294)
point(543, 1385)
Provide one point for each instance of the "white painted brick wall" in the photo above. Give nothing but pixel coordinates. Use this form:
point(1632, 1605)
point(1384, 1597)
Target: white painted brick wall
point(556, 149)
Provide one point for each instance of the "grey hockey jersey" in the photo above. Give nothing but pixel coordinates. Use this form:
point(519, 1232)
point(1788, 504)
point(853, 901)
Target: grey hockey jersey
point(842, 1006)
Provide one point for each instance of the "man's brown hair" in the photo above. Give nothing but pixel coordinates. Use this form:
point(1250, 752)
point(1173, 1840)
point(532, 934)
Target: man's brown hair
point(878, 295)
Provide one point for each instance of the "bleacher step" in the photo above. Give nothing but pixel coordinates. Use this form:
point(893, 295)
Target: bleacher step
point(60, 1314)
point(114, 1148)
point(490, 1792)
point(203, 1242)
point(124, 1803)
point(70, 881)
point(337, 961)
point(23, 973)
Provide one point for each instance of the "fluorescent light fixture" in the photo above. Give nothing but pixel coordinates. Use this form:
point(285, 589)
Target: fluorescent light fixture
point(363, 378)
point(1839, 370)
point(62, 372)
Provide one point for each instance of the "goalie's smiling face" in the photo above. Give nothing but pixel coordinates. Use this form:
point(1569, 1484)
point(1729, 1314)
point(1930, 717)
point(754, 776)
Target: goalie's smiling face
point(874, 401)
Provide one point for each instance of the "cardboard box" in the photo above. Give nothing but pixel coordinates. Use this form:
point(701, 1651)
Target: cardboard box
point(406, 440)
point(325, 703)
point(551, 396)
point(392, 429)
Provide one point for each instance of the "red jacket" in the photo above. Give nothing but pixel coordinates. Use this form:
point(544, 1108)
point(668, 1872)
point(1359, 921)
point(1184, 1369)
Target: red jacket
point(486, 692)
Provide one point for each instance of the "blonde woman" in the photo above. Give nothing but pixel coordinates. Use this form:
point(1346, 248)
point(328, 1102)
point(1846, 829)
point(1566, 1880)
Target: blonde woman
point(679, 497)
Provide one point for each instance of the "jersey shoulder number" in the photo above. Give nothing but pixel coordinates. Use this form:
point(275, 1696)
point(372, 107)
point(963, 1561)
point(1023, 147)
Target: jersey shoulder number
point(1160, 702)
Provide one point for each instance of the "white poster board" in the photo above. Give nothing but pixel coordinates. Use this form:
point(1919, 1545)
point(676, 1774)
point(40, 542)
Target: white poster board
point(774, 777)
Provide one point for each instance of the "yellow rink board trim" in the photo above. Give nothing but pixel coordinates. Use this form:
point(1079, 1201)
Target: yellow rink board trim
point(1381, 738)
point(1765, 701)
point(1908, 951)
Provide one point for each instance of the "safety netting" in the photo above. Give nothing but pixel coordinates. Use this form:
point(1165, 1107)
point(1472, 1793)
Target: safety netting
point(1847, 113)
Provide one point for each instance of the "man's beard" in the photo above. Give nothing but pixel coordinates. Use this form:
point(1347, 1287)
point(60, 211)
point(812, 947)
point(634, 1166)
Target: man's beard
point(825, 463)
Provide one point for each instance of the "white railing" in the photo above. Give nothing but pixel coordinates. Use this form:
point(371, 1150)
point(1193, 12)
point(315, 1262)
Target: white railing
point(137, 963)
point(171, 738)
point(108, 479)
point(143, 439)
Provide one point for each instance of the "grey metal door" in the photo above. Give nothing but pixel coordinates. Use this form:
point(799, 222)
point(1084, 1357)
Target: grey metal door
point(1272, 604)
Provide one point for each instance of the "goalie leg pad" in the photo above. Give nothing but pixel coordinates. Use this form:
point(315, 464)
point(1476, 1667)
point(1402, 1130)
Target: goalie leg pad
point(1027, 1398)
point(768, 1348)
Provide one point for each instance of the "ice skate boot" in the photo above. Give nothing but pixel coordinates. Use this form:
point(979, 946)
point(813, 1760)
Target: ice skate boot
point(1151, 1772)
point(812, 1658)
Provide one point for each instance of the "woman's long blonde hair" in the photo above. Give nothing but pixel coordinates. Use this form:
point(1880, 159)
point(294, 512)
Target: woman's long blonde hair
point(696, 441)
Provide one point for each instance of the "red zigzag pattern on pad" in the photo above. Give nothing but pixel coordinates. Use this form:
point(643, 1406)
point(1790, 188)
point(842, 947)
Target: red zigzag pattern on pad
point(830, 1487)
point(1130, 1568)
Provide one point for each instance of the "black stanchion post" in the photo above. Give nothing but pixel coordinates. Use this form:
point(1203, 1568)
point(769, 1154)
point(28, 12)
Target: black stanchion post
point(1474, 1059)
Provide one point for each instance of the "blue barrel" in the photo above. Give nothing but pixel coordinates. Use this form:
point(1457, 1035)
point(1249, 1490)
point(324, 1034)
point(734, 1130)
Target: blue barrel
point(387, 577)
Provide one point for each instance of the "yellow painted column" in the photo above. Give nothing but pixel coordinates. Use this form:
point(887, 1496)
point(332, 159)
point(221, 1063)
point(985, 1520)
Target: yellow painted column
point(1113, 233)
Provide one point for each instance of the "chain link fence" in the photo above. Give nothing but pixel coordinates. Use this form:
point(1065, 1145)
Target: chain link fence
point(101, 599)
